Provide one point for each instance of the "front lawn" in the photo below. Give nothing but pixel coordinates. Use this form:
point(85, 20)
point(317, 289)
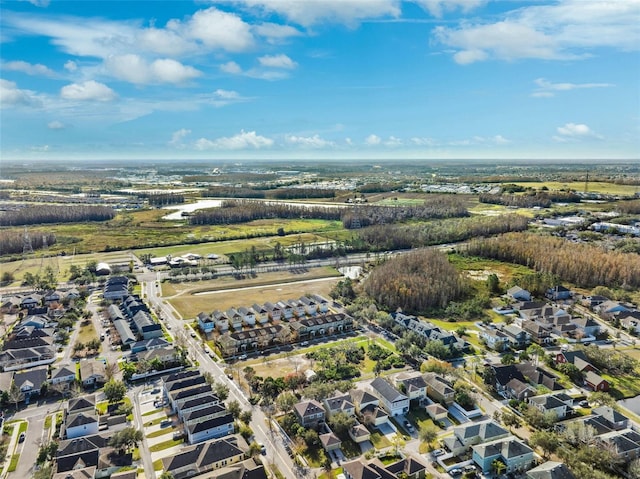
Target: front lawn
point(379, 440)
point(165, 445)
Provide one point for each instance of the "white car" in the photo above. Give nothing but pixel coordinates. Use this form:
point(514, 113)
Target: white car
point(438, 452)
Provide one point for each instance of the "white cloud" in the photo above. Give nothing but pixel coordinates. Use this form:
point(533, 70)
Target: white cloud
point(218, 30)
point(39, 3)
point(56, 125)
point(226, 94)
point(349, 12)
point(275, 33)
point(11, 95)
point(392, 141)
point(164, 42)
point(135, 69)
point(40, 148)
point(88, 90)
point(242, 141)
point(314, 141)
point(71, 66)
point(567, 29)
point(575, 131)
point(231, 67)
point(438, 7)
point(372, 140)
point(29, 68)
point(548, 89)
point(421, 141)
point(277, 61)
point(178, 136)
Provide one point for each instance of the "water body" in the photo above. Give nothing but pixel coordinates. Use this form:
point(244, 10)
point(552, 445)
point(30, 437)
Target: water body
point(203, 204)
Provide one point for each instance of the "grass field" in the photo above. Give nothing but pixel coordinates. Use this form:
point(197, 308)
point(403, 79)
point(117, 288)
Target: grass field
point(87, 333)
point(504, 271)
point(224, 292)
point(593, 187)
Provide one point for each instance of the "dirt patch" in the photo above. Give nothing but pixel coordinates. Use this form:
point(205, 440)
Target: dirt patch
point(278, 368)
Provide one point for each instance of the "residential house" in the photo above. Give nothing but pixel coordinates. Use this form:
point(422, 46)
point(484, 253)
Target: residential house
point(80, 424)
point(595, 381)
point(248, 316)
point(549, 403)
point(52, 297)
point(299, 310)
point(510, 382)
point(149, 344)
point(514, 453)
point(261, 313)
point(116, 288)
point(339, 403)
point(197, 403)
point(587, 326)
point(213, 428)
point(30, 301)
point(412, 384)
point(538, 376)
point(30, 381)
point(84, 473)
point(518, 294)
point(205, 323)
point(330, 442)
point(539, 333)
point(559, 292)
point(359, 433)
point(146, 327)
point(325, 325)
point(494, 339)
point(322, 303)
point(92, 372)
point(577, 358)
point(439, 389)
point(21, 355)
point(274, 311)
point(204, 457)
point(393, 401)
point(550, 470)
point(630, 320)
point(310, 413)
point(165, 355)
point(437, 412)
point(408, 467)
point(221, 321)
point(203, 414)
point(518, 337)
point(609, 308)
point(362, 399)
point(470, 434)
point(624, 444)
point(235, 319)
point(595, 300)
point(80, 453)
point(252, 339)
point(127, 338)
point(286, 310)
point(615, 420)
point(310, 305)
point(86, 403)
point(64, 375)
point(11, 305)
point(37, 322)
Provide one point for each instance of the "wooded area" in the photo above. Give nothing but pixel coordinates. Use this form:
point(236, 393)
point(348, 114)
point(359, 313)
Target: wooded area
point(12, 242)
point(415, 282)
point(529, 200)
point(393, 237)
point(582, 264)
point(32, 215)
point(628, 207)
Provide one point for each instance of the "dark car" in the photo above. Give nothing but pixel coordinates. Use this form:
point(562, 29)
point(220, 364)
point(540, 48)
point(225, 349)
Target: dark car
point(22, 437)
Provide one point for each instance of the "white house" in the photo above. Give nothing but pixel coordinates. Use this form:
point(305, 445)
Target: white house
point(392, 400)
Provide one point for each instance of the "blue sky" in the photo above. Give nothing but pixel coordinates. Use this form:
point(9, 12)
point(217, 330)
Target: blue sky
point(320, 79)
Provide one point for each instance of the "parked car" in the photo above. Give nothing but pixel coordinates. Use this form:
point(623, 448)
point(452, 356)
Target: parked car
point(22, 437)
point(263, 449)
point(242, 357)
point(408, 426)
point(455, 472)
point(438, 452)
point(178, 435)
point(304, 343)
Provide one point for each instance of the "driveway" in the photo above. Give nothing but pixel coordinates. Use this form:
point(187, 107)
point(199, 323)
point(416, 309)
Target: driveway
point(170, 451)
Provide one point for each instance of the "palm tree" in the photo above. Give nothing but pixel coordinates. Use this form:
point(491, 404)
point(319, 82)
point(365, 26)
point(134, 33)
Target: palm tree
point(498, 466)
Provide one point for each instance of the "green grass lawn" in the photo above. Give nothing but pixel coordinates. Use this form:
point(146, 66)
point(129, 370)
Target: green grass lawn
point(14, 463)
point(379, 440)
point(623, 387)
point(149, 413)
point(154, 422)
point(165, 445)
point(160, 432)
point(101, 407)
point(157, 465)
point(23, 427)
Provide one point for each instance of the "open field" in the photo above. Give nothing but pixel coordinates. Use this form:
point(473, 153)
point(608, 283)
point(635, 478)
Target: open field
point(475, 265)
point(227, 292)
point(593, 187)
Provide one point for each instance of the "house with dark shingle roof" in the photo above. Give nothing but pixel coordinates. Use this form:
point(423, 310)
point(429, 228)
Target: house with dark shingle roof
point(438, 388)
point(514, 453)
point(330, 441)
point(204, 457)
point(30, 381)
point(80, 424)
point(213, 428)
point(550, 470)
point(392, 400)
point(413, 384)
point(310, 413)
point(339, 403)
point(549, 403)
point(595, 381)
point(410, 467)
point(63, 374)
point(471, 434)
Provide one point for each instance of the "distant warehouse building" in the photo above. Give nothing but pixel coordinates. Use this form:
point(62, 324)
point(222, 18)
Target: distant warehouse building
point(103, 269)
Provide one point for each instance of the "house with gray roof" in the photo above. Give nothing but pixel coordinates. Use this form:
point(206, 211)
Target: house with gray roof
point(550, 470)
point(310, 413)
point(515, 454)
point(393, 401)
point(213, 428)
point(205, 457)
point(471, 434)
point(549, 403)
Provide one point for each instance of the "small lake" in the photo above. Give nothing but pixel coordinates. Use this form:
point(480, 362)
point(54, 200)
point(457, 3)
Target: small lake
point(632, 404)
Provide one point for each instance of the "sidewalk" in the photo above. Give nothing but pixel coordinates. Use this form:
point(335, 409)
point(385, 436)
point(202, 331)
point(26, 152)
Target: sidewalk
point(13, 443)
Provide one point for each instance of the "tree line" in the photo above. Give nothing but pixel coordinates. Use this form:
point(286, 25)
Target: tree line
point(264, 193)
point(436, 207)
point(12, 242)
point(393, 237)
point(582, 264)
point(529, 200)
point(415, 282)
point(56, 214)
point(162, 199)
